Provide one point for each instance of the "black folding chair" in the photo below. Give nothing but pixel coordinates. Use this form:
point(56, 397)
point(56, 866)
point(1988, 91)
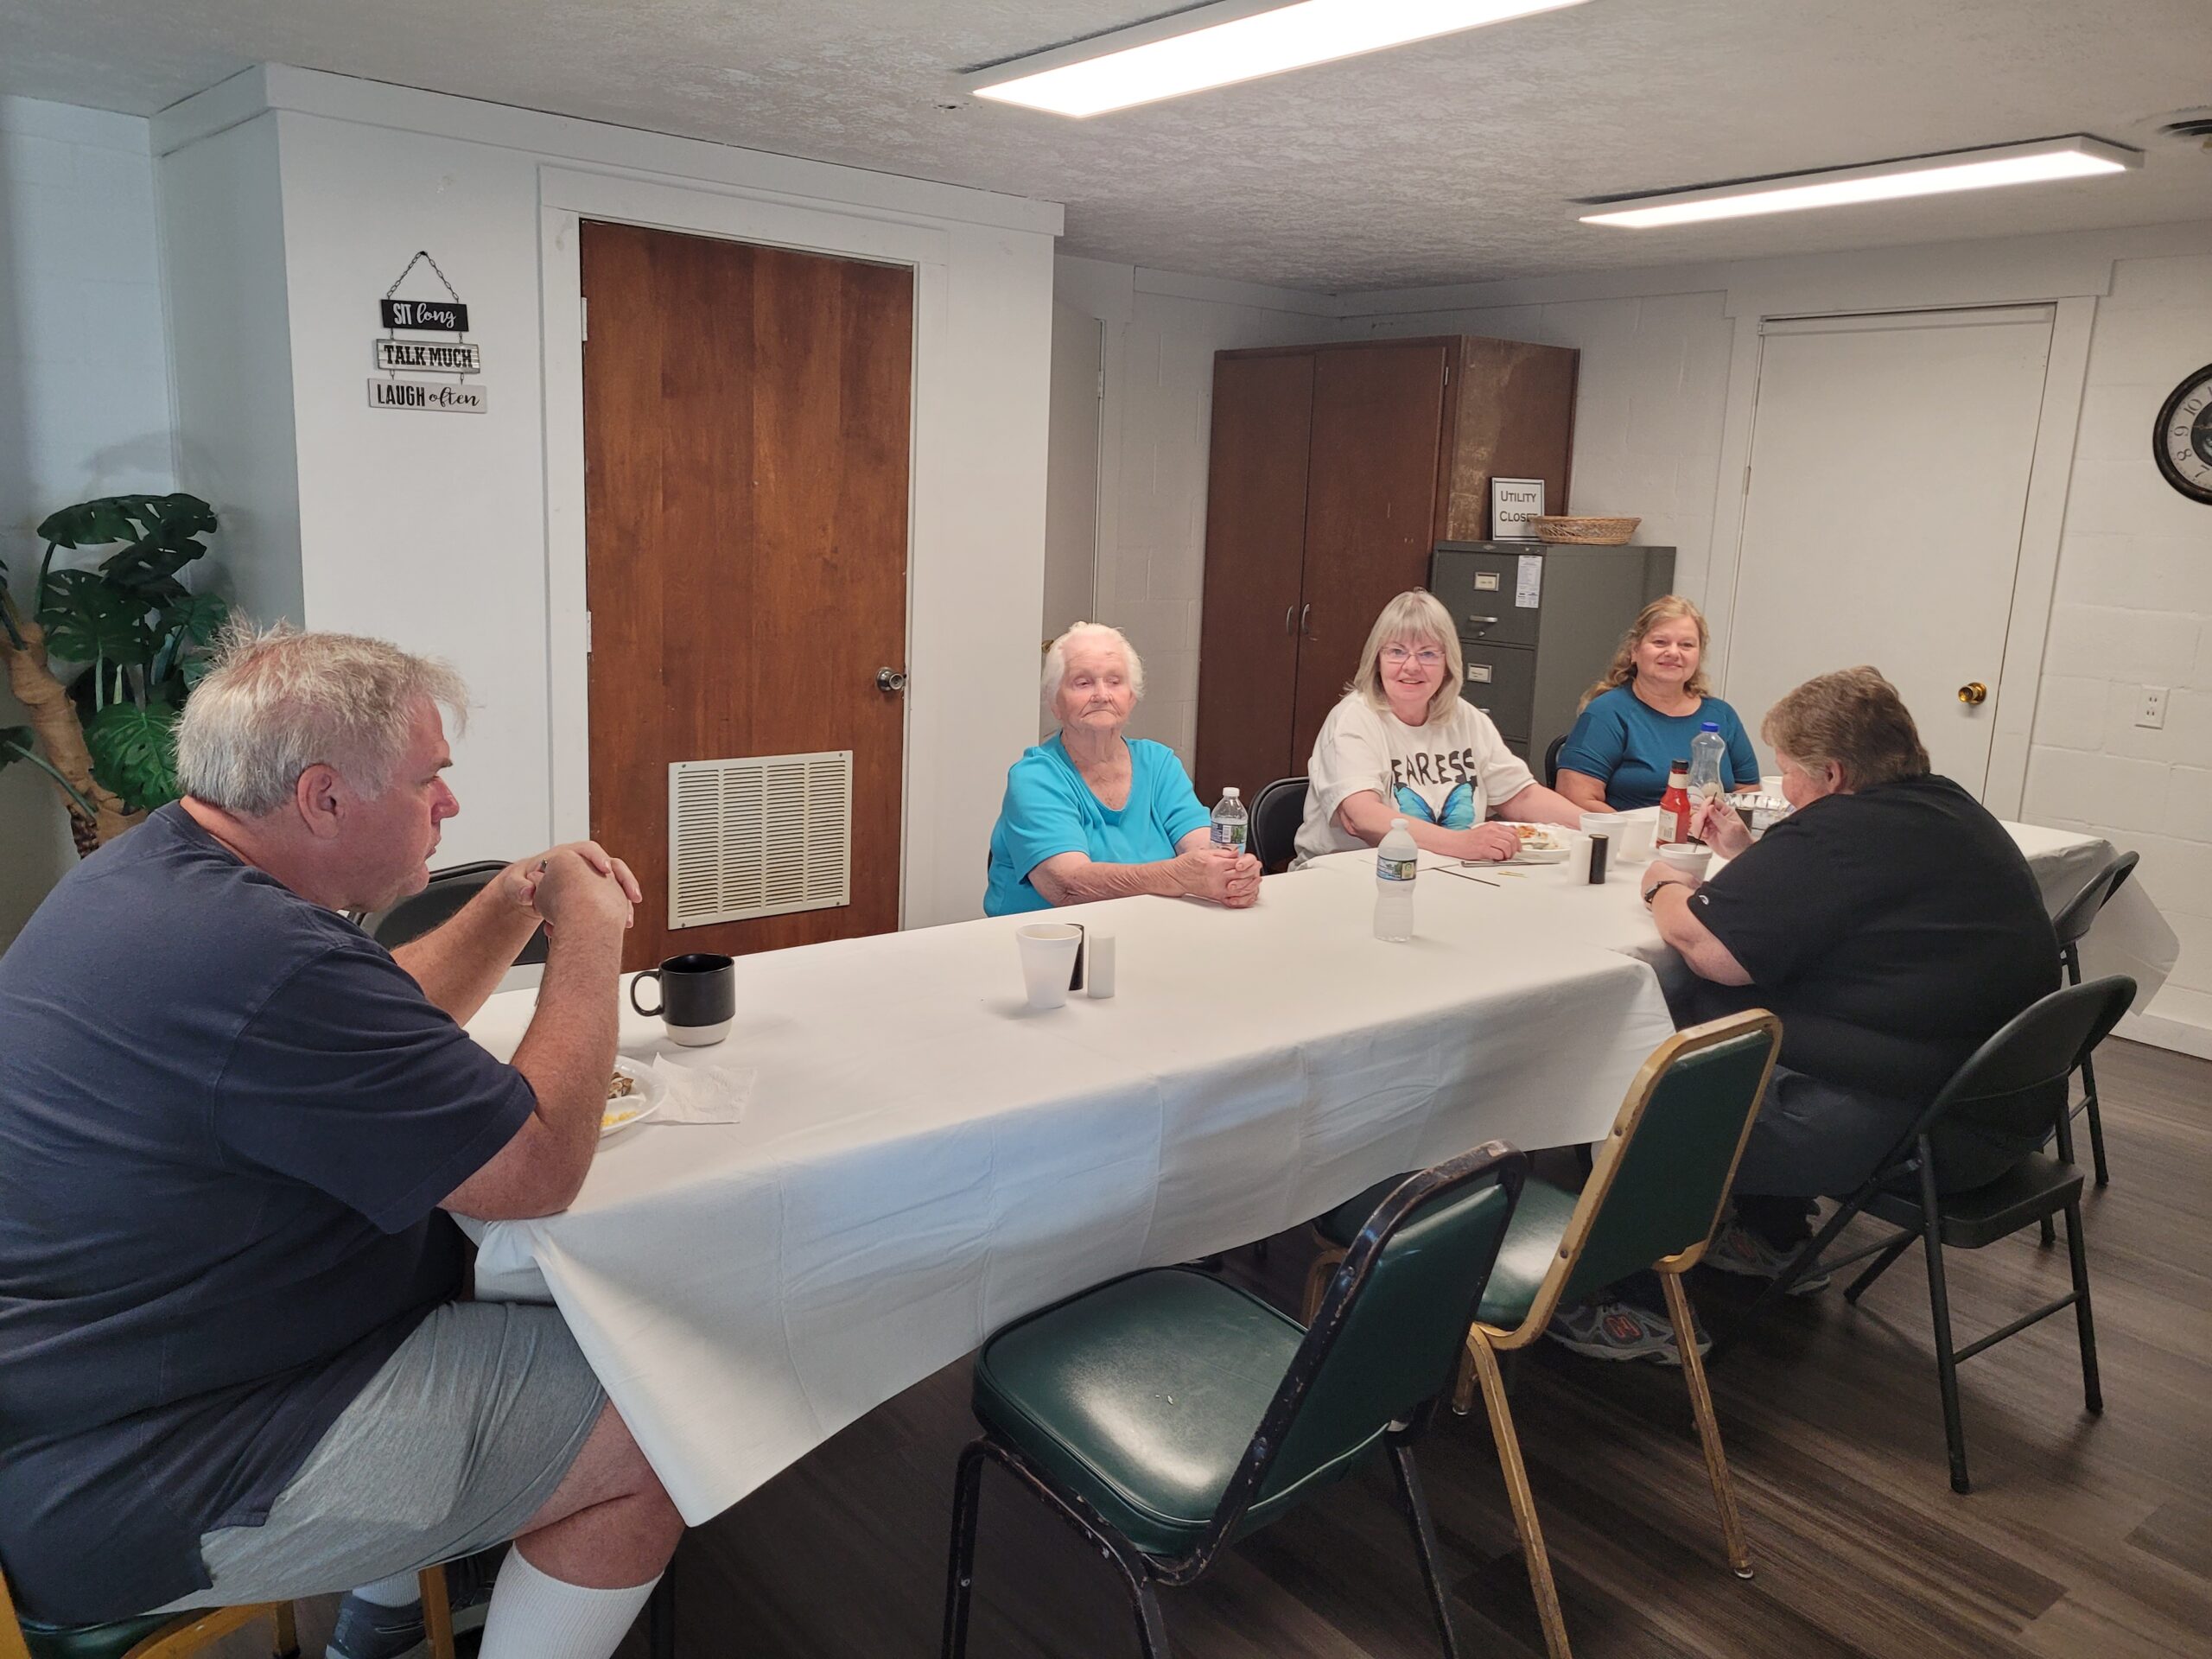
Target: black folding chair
point(439, 903)
point(2072, 924)
point(1993, 1114)
point(1276, 814)
point(1551, 760)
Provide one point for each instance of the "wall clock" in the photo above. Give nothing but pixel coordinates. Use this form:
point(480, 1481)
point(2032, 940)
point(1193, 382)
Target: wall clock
point(2181, 441)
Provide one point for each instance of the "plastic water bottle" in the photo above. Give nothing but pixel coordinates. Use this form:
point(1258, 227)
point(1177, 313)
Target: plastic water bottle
point(1397, 861)
point(1232, 825)
point(1705, 750)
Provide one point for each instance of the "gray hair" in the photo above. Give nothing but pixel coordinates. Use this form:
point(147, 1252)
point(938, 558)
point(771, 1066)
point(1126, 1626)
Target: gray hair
point(278, 701)
point(1056, 657)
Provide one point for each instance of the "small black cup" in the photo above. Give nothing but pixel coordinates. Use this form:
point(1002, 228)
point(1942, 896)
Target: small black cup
point(698, 997)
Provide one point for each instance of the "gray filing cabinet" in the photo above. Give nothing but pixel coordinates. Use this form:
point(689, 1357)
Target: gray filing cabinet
point(1539, 622)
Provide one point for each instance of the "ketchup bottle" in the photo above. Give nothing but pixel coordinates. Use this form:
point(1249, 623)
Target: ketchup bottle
point(1675, 806)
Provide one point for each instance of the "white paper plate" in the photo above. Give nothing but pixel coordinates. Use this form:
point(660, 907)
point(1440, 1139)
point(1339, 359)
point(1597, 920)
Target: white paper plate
point(1549, 845)
point(640, 1104)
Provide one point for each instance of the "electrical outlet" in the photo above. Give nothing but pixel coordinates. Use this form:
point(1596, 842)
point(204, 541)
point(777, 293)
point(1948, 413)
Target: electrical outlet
point(2152, 711)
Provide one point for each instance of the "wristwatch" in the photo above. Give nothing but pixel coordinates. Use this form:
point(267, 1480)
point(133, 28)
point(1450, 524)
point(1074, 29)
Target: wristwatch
point(1652, 892)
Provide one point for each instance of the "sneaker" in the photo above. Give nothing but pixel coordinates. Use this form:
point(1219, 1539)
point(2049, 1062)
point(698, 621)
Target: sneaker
point(1738, 1249)
point(366, 1630)
point(1620, 1331)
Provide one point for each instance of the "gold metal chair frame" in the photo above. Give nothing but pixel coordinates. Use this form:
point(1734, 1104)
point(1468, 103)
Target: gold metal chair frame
point(192, 1630)
point(1485, 1343)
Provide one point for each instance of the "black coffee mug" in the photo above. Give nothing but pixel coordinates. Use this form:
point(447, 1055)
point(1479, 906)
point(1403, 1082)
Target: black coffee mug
point(698, 997)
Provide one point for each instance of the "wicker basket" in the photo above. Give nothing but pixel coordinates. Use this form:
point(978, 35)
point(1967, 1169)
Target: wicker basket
point(1587, 532)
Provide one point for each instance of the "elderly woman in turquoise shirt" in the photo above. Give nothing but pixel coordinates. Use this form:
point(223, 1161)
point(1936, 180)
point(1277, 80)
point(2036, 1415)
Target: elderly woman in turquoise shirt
point(1640, 716)
point(1090, 814)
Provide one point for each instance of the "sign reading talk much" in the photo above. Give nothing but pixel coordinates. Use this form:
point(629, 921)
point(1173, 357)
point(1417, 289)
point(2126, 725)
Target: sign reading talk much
point(419, 355)
point(448, 351)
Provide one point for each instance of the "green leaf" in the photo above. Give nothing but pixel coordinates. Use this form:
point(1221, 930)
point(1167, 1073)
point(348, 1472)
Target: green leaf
point(14, 745)
point(193, 670)
point(198, 617)
point(134, 751)
point(87, 617)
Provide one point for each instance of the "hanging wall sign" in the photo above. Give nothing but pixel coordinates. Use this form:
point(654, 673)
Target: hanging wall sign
point(429, 356)
point(436, 397)
point(447, 352)
point(447, 316)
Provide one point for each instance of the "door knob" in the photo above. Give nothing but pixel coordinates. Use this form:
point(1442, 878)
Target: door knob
point(1973, 692)
point(891, 680)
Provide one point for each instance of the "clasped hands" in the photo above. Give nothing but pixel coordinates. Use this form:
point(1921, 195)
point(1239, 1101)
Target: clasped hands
point(578, 880)
point(1230, 879)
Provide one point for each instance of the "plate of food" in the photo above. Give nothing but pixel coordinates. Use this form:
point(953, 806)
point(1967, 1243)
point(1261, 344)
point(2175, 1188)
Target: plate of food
point(633, 1094)
point(1540, 843)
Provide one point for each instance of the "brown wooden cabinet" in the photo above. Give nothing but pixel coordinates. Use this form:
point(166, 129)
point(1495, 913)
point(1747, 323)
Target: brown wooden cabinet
point(1335, 470)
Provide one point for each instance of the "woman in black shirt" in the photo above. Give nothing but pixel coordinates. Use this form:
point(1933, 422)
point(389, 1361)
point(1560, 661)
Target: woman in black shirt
point(1889, 920)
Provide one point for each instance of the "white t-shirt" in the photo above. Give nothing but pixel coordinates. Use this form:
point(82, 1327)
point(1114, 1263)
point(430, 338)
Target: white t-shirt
point(1449, 770)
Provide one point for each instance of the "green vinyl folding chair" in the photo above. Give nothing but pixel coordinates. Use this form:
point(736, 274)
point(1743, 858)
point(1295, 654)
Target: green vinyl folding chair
point(1994, 1114)
point(1652, 1200)
point(1165, 1414)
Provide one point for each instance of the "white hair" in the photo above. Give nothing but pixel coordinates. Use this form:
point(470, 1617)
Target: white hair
point(1056, 657)
point(278, 701)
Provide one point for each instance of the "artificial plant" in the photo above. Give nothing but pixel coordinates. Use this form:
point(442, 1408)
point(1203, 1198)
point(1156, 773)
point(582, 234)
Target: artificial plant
point(133, 638)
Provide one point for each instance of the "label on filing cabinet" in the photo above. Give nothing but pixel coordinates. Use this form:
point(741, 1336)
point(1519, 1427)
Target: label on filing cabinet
point(1528, 586)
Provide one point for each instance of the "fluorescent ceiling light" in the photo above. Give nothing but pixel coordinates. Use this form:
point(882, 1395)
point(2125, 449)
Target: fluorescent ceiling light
point(1220, 44)
point(2076, 157)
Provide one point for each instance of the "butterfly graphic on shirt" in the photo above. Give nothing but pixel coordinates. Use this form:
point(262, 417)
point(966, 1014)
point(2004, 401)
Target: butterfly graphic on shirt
point(1458, 811)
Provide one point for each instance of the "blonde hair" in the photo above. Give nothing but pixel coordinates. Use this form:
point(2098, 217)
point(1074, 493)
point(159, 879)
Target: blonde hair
point(1854, 718)
point(278, 701)
point(1414, 616)
point(1055, 658)
point(1668, 608)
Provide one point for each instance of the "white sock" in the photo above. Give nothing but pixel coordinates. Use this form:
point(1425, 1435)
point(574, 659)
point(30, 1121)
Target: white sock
point(400, 1590)
point(535, 1616)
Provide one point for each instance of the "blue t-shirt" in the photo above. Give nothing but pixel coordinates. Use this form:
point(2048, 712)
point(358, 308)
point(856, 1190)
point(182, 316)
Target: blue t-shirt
point(227, 1117)
point(1624, 740)
point(1049, 811)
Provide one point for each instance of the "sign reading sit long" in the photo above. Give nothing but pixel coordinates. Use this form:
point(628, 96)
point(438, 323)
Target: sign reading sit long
point(439, 316)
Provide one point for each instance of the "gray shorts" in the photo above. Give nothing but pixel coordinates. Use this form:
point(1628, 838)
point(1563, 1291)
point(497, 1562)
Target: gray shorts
point(457, 1442)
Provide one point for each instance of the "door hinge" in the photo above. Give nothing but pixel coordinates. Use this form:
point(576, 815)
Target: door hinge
point(1102, 386)
point(1747, 480)
point(584, 316)
point(587, 633)
point(1447, 374)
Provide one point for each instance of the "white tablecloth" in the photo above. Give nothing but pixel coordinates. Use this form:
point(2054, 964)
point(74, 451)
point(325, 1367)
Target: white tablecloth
point(924, 1159)
point(2129, 936)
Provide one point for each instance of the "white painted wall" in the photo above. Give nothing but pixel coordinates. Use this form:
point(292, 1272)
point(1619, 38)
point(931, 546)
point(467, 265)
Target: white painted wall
point(1161, 333)
point(2134, 608)
point(84, 384)
point(433, 530)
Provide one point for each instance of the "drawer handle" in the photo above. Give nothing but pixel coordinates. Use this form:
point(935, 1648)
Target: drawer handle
point(1484, 622)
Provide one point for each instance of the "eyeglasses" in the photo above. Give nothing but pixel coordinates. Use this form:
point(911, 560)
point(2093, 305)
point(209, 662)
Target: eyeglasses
point(1398, 657)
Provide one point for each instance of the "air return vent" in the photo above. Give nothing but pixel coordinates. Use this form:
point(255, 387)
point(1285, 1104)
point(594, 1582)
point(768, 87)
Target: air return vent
point(763, 836)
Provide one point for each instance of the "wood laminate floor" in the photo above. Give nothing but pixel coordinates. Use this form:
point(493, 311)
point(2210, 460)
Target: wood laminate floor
point(2083, 1536)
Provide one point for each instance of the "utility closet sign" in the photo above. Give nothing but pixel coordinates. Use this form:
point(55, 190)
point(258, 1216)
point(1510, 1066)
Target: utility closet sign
point(427, 335)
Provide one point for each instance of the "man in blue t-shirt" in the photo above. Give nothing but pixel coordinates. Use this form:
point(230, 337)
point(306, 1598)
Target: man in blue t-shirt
point(236, 1364)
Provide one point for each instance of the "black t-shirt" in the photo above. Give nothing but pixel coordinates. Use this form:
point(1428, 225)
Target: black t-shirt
point(226, 1119)
point(1894, 930)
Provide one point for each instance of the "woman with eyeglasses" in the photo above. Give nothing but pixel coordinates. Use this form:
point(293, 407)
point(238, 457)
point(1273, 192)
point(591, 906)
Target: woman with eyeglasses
point(1402, 743)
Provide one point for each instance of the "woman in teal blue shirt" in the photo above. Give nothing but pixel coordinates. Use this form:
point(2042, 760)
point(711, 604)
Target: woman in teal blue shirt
point(1089, 814)
point(1640, 716)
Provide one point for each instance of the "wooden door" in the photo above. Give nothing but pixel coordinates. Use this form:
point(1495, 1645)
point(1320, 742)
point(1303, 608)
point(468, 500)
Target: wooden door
point(1889, 460)
point(1371, 499)
point(1255, 537)
point(745, 444)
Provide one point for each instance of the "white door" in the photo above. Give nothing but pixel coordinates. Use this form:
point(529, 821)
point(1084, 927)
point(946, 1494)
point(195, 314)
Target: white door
point(1889, 460)
point(1071, 473)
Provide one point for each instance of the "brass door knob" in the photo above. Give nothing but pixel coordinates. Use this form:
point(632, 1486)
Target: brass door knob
point(1973, 692)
